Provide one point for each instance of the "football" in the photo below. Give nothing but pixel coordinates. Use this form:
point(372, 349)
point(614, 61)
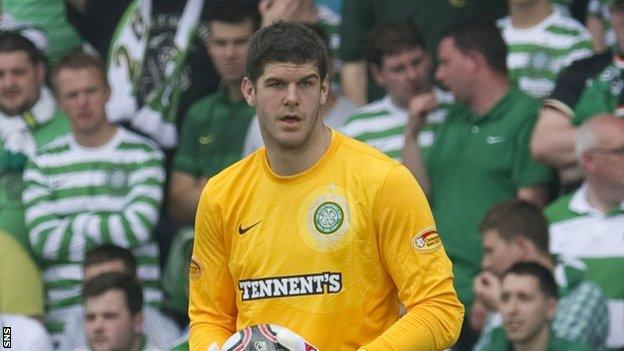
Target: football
point(261, 337)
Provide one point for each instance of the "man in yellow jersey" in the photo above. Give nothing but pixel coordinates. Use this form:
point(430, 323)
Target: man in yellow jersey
point(316, 232)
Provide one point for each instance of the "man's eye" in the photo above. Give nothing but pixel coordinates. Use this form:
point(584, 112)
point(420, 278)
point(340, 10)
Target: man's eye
point(305, 83)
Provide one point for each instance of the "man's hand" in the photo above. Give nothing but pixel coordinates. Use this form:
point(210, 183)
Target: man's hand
point(419, 107)
point(478, 314)
point(273, 11)
point(274, 337)
point(290, 340)
point(487, 287)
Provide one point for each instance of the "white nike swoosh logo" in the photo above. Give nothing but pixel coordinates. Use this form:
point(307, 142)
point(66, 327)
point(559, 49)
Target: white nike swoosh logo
point(494, 139)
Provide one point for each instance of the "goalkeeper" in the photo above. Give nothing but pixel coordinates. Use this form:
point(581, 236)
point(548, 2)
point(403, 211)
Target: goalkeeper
point(316, 232)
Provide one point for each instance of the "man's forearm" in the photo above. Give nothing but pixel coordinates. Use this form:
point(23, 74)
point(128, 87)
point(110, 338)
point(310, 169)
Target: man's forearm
point(412, 159)
point(553, 139)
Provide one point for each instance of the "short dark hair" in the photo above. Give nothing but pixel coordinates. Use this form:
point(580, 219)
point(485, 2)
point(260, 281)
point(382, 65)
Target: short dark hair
point(108, 253)
point(106, 282)
point(79, 60)
point(234, 12)
point(12, 41)
point(483, 37)
point(394, 37)
point(517, 217)
point(285, 42)
point(546, 279)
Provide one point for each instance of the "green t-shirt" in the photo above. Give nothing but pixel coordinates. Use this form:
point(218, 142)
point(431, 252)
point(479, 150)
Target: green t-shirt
point(602, 94)
point(11, 209)
point(213, 135)
point(473, 164)
point(555, 343)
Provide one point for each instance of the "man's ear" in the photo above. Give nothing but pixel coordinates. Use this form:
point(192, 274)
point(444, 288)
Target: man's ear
point(137, 323)
point(522, 247)
point(40, 72)
point(249, 91)
point(325, 86)
point(551, 308)
point(376, 74)
point(476, 60)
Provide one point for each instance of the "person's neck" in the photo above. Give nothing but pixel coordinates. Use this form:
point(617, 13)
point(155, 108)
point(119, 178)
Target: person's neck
point(292, 161)
point(98, 138)
point(136, 344)
point(538, 342)
point(523, 17)
point(488, 93)
point(234, 91)
point(603, 198)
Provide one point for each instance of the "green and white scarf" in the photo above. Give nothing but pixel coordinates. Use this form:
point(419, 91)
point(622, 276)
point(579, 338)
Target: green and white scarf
point(156, 118)
point(16, 135)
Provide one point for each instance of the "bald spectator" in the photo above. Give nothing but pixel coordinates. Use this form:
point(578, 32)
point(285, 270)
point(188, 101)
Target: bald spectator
point(587, 224)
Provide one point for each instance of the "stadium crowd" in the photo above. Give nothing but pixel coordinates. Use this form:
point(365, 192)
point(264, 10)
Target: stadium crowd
point(114, 115)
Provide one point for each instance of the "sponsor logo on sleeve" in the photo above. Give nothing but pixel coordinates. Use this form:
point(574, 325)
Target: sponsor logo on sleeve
point(196, 268)
point(427, 240)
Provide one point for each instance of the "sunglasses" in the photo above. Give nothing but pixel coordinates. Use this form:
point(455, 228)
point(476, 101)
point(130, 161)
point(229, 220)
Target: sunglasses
point(602, 150)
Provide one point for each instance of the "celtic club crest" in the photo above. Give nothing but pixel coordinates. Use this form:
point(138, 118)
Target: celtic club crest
point(328, 217)
point(117, 180)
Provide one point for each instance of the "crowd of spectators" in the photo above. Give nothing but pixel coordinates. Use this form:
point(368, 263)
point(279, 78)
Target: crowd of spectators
point(115, 114)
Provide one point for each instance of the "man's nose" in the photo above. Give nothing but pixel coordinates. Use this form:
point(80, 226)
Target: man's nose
point(292, 95)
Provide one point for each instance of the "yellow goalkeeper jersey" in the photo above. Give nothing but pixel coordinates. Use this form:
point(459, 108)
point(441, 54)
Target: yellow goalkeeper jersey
point(329, 253)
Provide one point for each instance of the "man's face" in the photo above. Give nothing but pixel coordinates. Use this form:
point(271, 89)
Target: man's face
point(227, 47)
point(454, 69)
point(523, 3)
point(82, 94)
point(607, 162)
point(288, 99)
point(20, 81)
point(108, 323)
point(404, 75)
point(94, 270)
point(617, 22)
point(525, 308)
point(498, 254)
